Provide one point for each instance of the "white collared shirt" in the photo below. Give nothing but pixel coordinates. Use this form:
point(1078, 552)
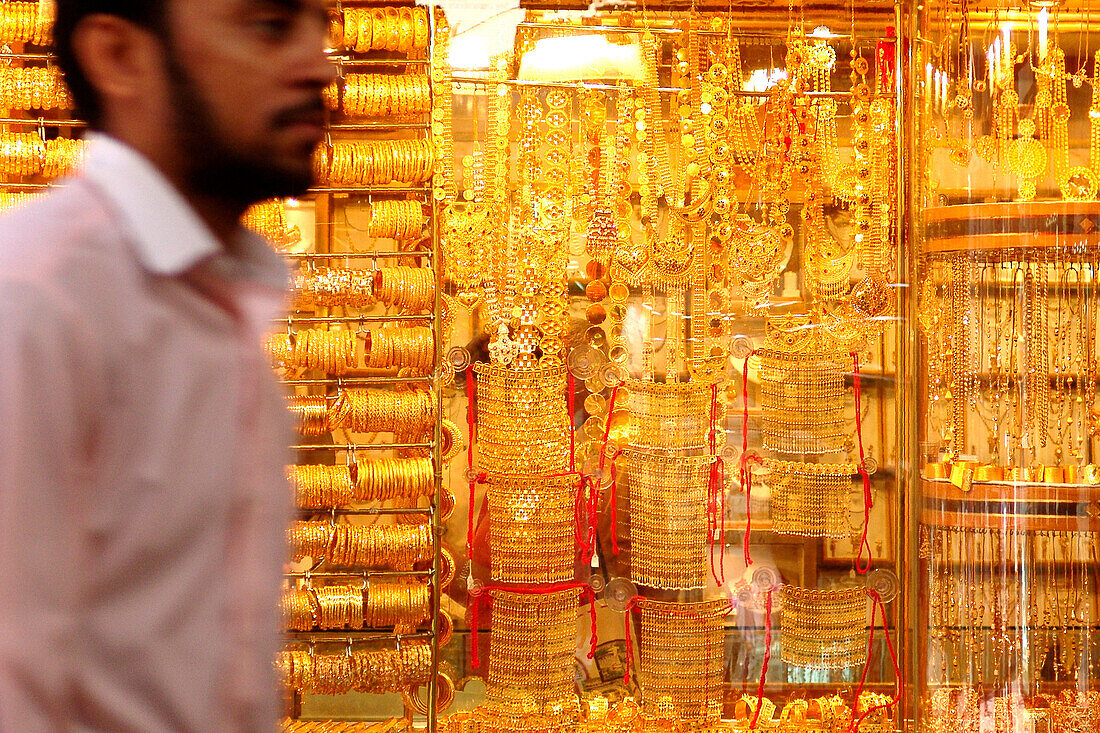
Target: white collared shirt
point(142, 442)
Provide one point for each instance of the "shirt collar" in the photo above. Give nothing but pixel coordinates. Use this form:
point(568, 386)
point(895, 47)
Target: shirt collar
point(169, 237)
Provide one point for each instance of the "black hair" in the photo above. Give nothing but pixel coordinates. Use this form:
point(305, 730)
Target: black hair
point(149, 14)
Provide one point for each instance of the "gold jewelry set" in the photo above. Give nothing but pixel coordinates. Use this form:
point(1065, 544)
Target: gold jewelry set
point(372, 546)
point(802, 402)
point(682, 657)
point(27, 88)
point(382, 95)
point(268, 219)
point(667, 498)
point(533, 398)
point(26, 154)
point(824, 629)
point(810, 499)
point(402, 29)
point(27, 22)
point(371, 671)
point(310, 414)
point(321, 487)
point(354, 163)
point(330, 351)
point(532, 532)
point(382, 479)
point(531, 652)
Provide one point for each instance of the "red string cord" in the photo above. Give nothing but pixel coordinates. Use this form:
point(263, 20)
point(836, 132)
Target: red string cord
point(868, 502)
point(632, 604)
point(594, 505)
point(879, 606)
point(767, 657)
point(614, 510)
point(471, 417)
point(715, 505)
point(746, 474)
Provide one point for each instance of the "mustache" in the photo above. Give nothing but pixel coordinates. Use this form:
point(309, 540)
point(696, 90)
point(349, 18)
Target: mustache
point(312, 111)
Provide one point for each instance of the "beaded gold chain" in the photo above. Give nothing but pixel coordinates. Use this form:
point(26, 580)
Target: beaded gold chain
point(824, 629)
point(532, 528)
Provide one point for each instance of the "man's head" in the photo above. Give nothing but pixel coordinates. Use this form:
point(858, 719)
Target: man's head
point(223, 95)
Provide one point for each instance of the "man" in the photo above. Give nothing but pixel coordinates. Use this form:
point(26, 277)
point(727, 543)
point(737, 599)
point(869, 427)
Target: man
point(142, 437)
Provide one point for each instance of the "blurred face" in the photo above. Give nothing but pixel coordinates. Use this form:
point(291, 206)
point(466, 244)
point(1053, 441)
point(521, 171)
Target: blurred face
point(245, 81)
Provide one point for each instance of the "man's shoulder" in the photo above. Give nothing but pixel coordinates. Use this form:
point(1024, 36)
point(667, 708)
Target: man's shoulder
point(65, 233)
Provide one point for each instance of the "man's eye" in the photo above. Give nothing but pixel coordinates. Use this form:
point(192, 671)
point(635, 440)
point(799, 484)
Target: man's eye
point(273, 25)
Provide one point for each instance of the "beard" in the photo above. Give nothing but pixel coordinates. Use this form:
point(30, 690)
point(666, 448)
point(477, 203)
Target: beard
point(216, 167)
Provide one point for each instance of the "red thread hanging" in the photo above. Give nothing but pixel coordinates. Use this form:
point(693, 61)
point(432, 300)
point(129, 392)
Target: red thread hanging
point(592, 638)
point(627, 638)
point(767, 657)
point(868, 501)
point(471, 397)
point(746, 473)
point(614, 509)
point(879, 606)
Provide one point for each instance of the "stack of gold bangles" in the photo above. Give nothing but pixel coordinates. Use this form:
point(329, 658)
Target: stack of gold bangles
point(410, 347)
point(326, 607)
point(372, 671)
point(27, 154)
point(268, 219)
point(333, 288)
point(397, 603)
point(379, 479)
point(321, 487)
point(376, 546)
point(330, 351)
point(310, 414)
point(407, 289)
point(382, 29)
point(13, 200)
point(395, 219)
point(377, 410)
point(33, 88)
point(386, 95)
point(63, 156)
point(27, 22)
point(393, 725)
point(374, 162)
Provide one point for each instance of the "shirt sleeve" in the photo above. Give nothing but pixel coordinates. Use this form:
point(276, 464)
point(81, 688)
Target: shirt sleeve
point(47, 400)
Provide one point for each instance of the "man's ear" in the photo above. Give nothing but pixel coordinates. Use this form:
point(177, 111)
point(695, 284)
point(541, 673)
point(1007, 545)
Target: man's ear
point(119, 58)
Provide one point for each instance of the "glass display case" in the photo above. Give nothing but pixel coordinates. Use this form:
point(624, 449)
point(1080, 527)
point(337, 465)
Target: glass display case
point(1004, 188)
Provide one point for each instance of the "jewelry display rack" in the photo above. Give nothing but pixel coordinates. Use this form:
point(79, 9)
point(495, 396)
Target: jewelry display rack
point(331, 248)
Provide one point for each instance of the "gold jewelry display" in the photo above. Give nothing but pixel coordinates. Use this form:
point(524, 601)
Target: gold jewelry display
point(412, 348)
point(33, 88)
point(355, 163)
point(669, 416)
point(406, 289)
point(382, 479)
point(330, 351)
point(802, 401)
point(373, 546)
point(533, 532)
point(531, 651)
point(533, 398)
point(681, 657)
point(320, 487)
point(810, 499)
point(268, 219)
point(401, 29)
point(386, 95)
point(395, 219)
point(333, 288)
point(824, 629)
point(373, 671)
point(393, 725)
point(392, 604)
point(383, 411)
point(310, 414)
point(667, 496)
point(27, 22)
